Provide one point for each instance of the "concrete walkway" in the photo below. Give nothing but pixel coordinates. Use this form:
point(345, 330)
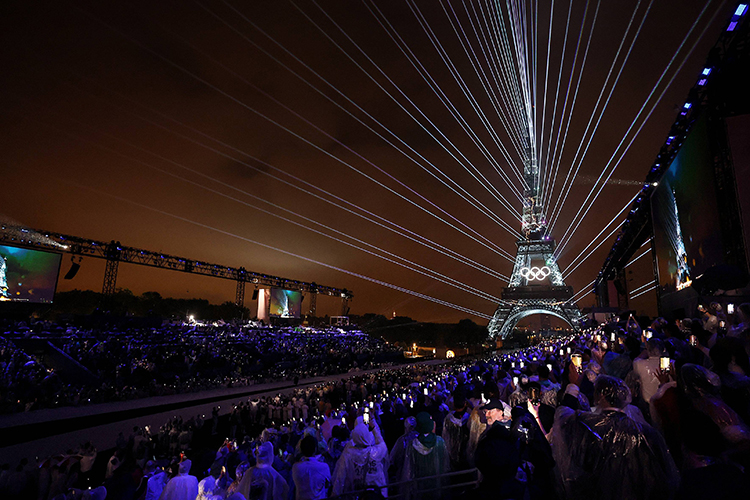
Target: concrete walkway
point(46, 432)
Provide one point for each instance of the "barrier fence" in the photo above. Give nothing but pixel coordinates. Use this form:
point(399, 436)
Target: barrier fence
point(415, 489)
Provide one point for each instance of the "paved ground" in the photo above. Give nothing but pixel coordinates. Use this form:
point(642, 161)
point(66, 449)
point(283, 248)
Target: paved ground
point(49, 431)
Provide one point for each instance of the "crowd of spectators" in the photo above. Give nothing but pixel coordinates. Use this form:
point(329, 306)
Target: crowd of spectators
point(136, 363)
point(621, 410)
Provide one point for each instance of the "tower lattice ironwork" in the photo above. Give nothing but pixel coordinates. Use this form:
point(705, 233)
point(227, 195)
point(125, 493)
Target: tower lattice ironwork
point(536, 285)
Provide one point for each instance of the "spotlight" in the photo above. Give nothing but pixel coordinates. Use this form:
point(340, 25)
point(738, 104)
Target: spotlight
point(74, 267)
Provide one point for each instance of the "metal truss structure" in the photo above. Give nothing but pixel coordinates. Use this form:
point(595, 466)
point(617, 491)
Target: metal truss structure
point(720, 91)
point(114, 253)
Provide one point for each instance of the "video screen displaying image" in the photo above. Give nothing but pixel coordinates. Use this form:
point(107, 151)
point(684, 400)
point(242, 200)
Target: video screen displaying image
point(687, 234)
point(285, 303)
point(28, 275)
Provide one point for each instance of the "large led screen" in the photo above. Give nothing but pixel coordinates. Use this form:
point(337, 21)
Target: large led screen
point(738, 130)
point(28, 275)
point(285, 303)
point(687, 233)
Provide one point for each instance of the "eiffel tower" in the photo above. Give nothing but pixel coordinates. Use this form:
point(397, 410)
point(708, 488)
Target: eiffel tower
point(536, 285)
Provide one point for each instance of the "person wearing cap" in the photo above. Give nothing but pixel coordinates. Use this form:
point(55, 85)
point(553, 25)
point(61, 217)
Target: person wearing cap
point(426, 456)
point(497, 455)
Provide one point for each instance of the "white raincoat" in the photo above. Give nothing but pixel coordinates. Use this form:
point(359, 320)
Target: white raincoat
point(181, 487)
point(264, 473)
point(363, 463)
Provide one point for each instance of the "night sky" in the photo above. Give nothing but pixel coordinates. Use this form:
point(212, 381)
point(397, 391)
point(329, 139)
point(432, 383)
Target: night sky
point(181, 126)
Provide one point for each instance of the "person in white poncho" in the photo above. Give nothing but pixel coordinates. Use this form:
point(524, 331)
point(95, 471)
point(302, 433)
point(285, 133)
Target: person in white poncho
point(276, 488)
point(183, 486)
point(364, 461)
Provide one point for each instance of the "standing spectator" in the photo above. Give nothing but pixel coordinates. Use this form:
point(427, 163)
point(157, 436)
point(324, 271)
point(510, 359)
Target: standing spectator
point(114, 462)
point(732, 365)
point(239, 473)
point(312, 477)
point(710, 320)
point(363, 463)
point(497, 455)
point(398, 452)
point(426, 456)
point(742, 320)
point(476, 429)
point(263, 473)
point(456, 432)
point(648, 369)
point(88, 457)
point(156, 484)
point(149, 469)
point(215, 484)
point(183, 486)
point(608, 454)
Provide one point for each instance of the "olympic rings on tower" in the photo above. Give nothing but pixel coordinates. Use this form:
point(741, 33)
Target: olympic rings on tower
point(535, 273)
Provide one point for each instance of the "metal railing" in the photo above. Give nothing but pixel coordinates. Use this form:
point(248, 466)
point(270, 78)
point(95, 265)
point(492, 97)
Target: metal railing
point(410, 488)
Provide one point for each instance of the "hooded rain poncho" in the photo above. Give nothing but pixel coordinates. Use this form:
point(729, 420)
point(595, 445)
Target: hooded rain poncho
point(263, 472)
point(609, 455)
point(363, 463)
point(183, 486)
